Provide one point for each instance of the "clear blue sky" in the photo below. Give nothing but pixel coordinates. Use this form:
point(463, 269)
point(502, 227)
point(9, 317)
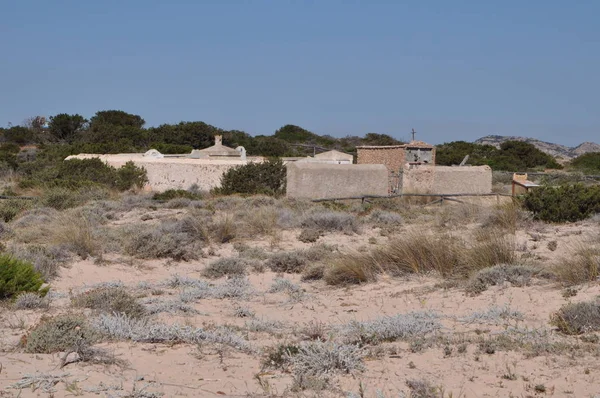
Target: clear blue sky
point(453, 70)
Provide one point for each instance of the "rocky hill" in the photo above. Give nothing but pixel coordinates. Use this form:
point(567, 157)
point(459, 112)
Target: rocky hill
point(556, 150)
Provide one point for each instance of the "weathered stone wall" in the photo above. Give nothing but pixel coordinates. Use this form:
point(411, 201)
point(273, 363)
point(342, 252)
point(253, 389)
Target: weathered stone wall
point(447, 179)
point(325, 181)
point(392, 157)
point(174, 173)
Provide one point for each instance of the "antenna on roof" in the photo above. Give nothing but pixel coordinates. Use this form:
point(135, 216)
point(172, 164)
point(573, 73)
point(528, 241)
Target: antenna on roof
point(413, 134)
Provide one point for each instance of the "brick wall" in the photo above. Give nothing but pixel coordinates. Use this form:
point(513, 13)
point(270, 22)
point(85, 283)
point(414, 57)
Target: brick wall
point(393, 157)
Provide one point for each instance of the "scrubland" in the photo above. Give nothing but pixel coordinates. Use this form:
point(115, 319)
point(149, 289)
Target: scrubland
point(200, 295)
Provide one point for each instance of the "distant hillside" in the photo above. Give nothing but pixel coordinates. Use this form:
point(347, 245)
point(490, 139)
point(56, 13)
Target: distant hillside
point(556, 150)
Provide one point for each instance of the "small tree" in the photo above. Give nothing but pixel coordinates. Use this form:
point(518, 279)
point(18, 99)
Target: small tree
point(66, 127)
point(266, 178)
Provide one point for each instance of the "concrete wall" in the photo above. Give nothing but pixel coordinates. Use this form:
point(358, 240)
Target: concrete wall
point(174, 173)
point(447, 179)
point(323, 181)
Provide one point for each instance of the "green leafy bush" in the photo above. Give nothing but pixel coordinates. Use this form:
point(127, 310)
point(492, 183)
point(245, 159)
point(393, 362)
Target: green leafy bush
point(18, 276)
point(511, 156)
point(255, 178)
point(130, 176)
point(176, 194)
point(78, 173)
point(564, 203)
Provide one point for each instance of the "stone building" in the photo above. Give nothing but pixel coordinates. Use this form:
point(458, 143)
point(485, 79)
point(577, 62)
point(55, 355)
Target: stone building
point(395, 157)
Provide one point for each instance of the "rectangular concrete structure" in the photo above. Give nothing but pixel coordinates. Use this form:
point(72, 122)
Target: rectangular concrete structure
point(447, 179)
point(328, 181)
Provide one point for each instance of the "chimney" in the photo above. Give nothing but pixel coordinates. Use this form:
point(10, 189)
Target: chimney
point(218, 140)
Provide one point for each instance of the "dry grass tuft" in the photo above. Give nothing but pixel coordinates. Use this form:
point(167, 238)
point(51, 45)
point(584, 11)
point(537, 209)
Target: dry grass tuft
point(580, 266)
point(223, 229)
point(492, 247)
point(78, 233)
point(420, 253)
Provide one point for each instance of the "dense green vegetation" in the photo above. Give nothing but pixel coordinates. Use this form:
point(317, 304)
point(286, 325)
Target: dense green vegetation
point(36, 150)
point(511, 156)
point(570, 202)
point(266, 178)
point(587, 163)
point(17, 277)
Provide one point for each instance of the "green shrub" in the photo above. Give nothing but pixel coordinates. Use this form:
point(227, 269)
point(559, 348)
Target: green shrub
point(18, 276)
point(58, 334)
point(10, 208)
point(266, 178)
point(130, 176)
point(564, 203)
point(176, 194)
point(588, 162)
point(61, 198)
point(77, 173)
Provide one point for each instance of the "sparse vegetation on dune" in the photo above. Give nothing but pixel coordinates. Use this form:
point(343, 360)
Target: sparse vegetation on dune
point(255, 279)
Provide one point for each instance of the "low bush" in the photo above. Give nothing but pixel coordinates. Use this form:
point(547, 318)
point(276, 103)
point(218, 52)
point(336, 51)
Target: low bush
point(390, 328)
point(110, 300)
point(331, 221)
point(123, 327)
point(29, 301)
point(309, 235)
point(296, 261)
point(578, 318)
point(267, 178)
point(47, 260)
point(170, 194)
point(11, 208)
point(517, 275)
point(226, 266)
point(176, 239)
point(385, 218)
point(566, 203)
point(424, 389)
point(58, 334)
point(316, 358)
point(17, 277)
point(61, 198)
